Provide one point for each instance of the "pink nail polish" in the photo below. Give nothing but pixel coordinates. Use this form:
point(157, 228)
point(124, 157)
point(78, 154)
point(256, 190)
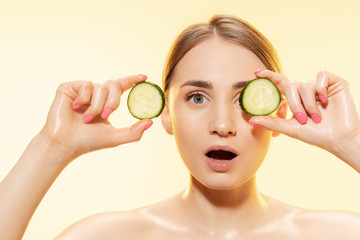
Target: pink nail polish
point(316, 118)
point(258, 70)
point(142, 75)
point(254, 124)
point(148, 125)
point(322, 98)
point(301, 117)
point(106, 113)
point(76, 107)
point(88, 118)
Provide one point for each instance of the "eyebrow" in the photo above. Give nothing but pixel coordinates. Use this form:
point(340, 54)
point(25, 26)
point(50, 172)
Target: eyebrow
point(240, 84)
point(198, 83)
point(208, 85)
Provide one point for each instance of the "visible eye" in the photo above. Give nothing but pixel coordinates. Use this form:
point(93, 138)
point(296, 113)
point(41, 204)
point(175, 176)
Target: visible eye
point(236, 99)
point(196, 98)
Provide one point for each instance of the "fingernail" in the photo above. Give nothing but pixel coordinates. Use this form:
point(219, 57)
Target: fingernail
point(142, 75)
point(148, 125)
point(88, 118)
point(254, 124)
point(322, 98)
point(258, 70)
point(76, 107)
point(301, 118)
point(316, 118)
point(106, 113)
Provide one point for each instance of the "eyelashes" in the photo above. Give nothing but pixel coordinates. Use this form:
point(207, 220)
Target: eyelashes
point(198, 97)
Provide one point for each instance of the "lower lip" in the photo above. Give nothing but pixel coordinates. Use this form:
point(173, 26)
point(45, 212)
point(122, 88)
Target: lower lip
point(220, 166)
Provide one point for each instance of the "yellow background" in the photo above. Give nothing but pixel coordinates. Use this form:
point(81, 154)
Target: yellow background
point(44, 43)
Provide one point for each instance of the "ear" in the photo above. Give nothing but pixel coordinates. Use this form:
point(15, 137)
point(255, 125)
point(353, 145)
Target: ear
point(281, 112)
point(166, 121)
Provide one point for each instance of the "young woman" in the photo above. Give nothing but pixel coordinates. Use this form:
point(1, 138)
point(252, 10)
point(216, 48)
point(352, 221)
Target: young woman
point(221, 145)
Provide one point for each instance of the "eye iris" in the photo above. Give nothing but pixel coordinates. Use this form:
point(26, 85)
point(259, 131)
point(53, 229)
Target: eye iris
point(198, 99)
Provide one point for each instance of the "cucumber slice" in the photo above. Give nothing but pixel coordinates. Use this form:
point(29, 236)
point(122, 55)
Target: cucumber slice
point(260, 97)
point(146, 100)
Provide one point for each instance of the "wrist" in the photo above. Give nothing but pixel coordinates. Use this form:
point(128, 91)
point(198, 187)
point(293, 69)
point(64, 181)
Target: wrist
point(348, 150)
point(25, 185)
point(51, 152)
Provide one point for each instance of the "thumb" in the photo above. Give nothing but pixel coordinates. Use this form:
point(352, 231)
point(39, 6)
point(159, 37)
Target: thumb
point(276, 125)
point(130, 134)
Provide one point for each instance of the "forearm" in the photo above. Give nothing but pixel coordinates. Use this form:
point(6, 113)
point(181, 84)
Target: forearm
point(26, 184)
point(349, 151)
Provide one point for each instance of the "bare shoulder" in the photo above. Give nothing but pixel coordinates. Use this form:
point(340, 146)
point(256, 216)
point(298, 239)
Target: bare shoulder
point(151, 221)
point(112, 225)
point(329, 224)
point(300, 223)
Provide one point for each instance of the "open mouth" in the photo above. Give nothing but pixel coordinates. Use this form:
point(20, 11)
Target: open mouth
point(221, 155)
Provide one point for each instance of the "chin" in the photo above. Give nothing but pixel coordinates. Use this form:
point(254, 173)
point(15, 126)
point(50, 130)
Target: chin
point(220, 187)
point(224, 181)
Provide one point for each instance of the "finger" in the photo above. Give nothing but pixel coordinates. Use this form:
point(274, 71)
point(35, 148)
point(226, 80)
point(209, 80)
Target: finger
point(333, 79)
point(130, 134)
point(70, 89)
point(308, 98)
point(98, 98)
point(321, 86)
point(113, 98)
point(116, 88)
point(130, 81)
point(84, 93)
point(277, 78)
point(330, 84)
point(274, 124)
point(294, 101)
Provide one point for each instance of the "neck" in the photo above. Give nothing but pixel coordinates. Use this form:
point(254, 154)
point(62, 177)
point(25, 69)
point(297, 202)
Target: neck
point(219, 209)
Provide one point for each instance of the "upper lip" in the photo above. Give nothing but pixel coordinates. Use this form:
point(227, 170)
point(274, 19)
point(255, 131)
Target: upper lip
point(221, 148)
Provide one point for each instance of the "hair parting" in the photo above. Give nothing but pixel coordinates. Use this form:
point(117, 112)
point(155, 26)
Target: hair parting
point(227, 28)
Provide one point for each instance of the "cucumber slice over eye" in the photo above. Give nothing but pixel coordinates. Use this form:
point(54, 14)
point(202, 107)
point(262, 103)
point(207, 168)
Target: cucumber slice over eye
point(260, 97)
point(146, 100)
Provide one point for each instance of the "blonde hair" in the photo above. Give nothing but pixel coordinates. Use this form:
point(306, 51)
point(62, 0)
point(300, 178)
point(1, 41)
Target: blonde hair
point(228, 28)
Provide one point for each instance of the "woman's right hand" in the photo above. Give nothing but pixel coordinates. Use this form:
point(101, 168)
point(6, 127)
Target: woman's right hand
point(77, 119)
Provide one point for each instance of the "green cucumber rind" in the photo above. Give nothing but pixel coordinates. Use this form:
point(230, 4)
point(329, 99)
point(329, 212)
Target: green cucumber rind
point(161, 93)
point(241, 101)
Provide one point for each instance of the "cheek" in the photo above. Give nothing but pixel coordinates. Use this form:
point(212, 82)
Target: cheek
point(255, 150)
point(261, 137)
point(190, 132)
point(189, 128)
point(256, 139)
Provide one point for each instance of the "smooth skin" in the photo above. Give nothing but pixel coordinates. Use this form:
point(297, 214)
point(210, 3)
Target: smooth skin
point(215, 205)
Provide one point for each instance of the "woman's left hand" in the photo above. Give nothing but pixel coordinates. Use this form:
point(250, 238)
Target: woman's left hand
point(324, 113)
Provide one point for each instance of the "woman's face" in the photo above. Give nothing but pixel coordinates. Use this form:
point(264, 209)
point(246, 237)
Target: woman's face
point(216, 142)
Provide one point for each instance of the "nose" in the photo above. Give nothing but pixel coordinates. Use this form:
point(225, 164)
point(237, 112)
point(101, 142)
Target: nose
point(223, 122)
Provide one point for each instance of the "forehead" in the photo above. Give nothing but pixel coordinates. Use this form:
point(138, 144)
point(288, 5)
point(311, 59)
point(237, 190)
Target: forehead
point(216, 59)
